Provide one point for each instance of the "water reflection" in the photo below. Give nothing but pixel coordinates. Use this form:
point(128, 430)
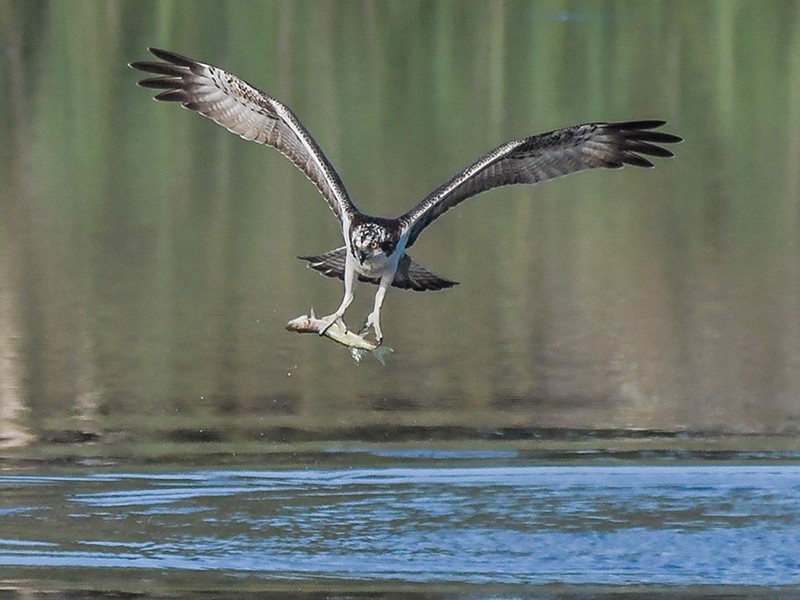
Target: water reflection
point(147, 258)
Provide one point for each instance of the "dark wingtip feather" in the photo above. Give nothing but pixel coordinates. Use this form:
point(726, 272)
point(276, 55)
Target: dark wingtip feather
point(172, 57)
point(171, 96)
point(630, 158)
point(665, 138)
point(638, 138)
point(658, 137)
point(645, 124)
point(156, 68)
point(142, 65)
point(642, 130)
point(161, 83)
point(647, 148)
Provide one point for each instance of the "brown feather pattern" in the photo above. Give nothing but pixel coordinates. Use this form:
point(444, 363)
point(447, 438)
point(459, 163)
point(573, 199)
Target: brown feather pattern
point(542, 157)
point(247, 112)
point(254, 115)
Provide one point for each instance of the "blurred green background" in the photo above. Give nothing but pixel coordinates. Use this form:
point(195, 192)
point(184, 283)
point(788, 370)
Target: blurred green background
point(147, 262)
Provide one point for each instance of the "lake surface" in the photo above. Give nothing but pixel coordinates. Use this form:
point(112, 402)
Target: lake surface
point(464, 520)
point(147, 256)
point(608, 403)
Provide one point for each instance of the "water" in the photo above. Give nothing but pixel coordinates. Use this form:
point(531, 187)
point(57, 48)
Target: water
point(460, 518)
point(609, 400)
point(147, 257)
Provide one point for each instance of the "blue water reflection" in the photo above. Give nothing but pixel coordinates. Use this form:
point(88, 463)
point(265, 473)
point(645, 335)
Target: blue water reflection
point(686, 525)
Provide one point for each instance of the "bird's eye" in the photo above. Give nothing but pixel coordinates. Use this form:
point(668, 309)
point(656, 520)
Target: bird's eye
point(373, 244)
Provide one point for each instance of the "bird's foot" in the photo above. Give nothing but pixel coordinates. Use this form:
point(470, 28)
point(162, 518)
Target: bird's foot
point(367, 324)
point(371, 321)
point(330, 320)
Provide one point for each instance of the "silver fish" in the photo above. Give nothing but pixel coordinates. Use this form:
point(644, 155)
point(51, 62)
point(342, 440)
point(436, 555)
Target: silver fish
point(338, 332)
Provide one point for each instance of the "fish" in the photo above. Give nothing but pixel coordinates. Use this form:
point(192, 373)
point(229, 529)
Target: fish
point(358, 345)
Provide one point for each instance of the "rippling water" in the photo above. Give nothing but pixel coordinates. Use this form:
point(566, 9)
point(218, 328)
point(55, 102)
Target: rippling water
point(608, 403)
point(448, 523)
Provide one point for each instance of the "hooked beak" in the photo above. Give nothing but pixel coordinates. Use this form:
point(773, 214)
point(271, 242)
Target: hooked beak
point(362, 256)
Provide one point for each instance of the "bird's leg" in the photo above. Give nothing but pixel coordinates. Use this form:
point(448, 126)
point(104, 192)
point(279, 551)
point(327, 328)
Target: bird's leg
point(350, 279)
point(374, 318)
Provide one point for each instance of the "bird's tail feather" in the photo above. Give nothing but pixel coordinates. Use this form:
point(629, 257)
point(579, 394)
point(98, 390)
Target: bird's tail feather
point(410, 274)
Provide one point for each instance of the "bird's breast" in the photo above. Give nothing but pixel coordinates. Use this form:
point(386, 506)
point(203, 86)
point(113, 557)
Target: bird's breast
point(377, 266)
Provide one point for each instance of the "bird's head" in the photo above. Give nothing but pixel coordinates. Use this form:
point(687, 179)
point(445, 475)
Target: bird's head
point(369, 240)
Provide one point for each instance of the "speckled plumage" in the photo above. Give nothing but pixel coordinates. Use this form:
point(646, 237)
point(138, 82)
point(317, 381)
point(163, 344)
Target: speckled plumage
point(375, 247)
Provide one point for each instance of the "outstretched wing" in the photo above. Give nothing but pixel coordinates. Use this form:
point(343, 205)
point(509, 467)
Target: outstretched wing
point(247, 112)
point(542, 157)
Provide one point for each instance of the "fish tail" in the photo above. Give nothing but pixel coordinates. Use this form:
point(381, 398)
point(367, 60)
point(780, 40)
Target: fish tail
point(380, 353)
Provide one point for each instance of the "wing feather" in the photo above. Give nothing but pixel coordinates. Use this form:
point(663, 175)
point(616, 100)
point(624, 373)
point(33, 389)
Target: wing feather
point(247, 112)
point(543, 157)
point(410, 275)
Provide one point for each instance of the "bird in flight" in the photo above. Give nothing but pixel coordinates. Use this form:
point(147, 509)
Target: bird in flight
point(375, 248)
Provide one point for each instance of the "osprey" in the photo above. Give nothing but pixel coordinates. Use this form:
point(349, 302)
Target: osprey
point(375, 248)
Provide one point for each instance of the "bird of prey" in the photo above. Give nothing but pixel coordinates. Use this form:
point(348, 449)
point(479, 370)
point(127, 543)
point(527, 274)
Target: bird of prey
point(375, 248)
